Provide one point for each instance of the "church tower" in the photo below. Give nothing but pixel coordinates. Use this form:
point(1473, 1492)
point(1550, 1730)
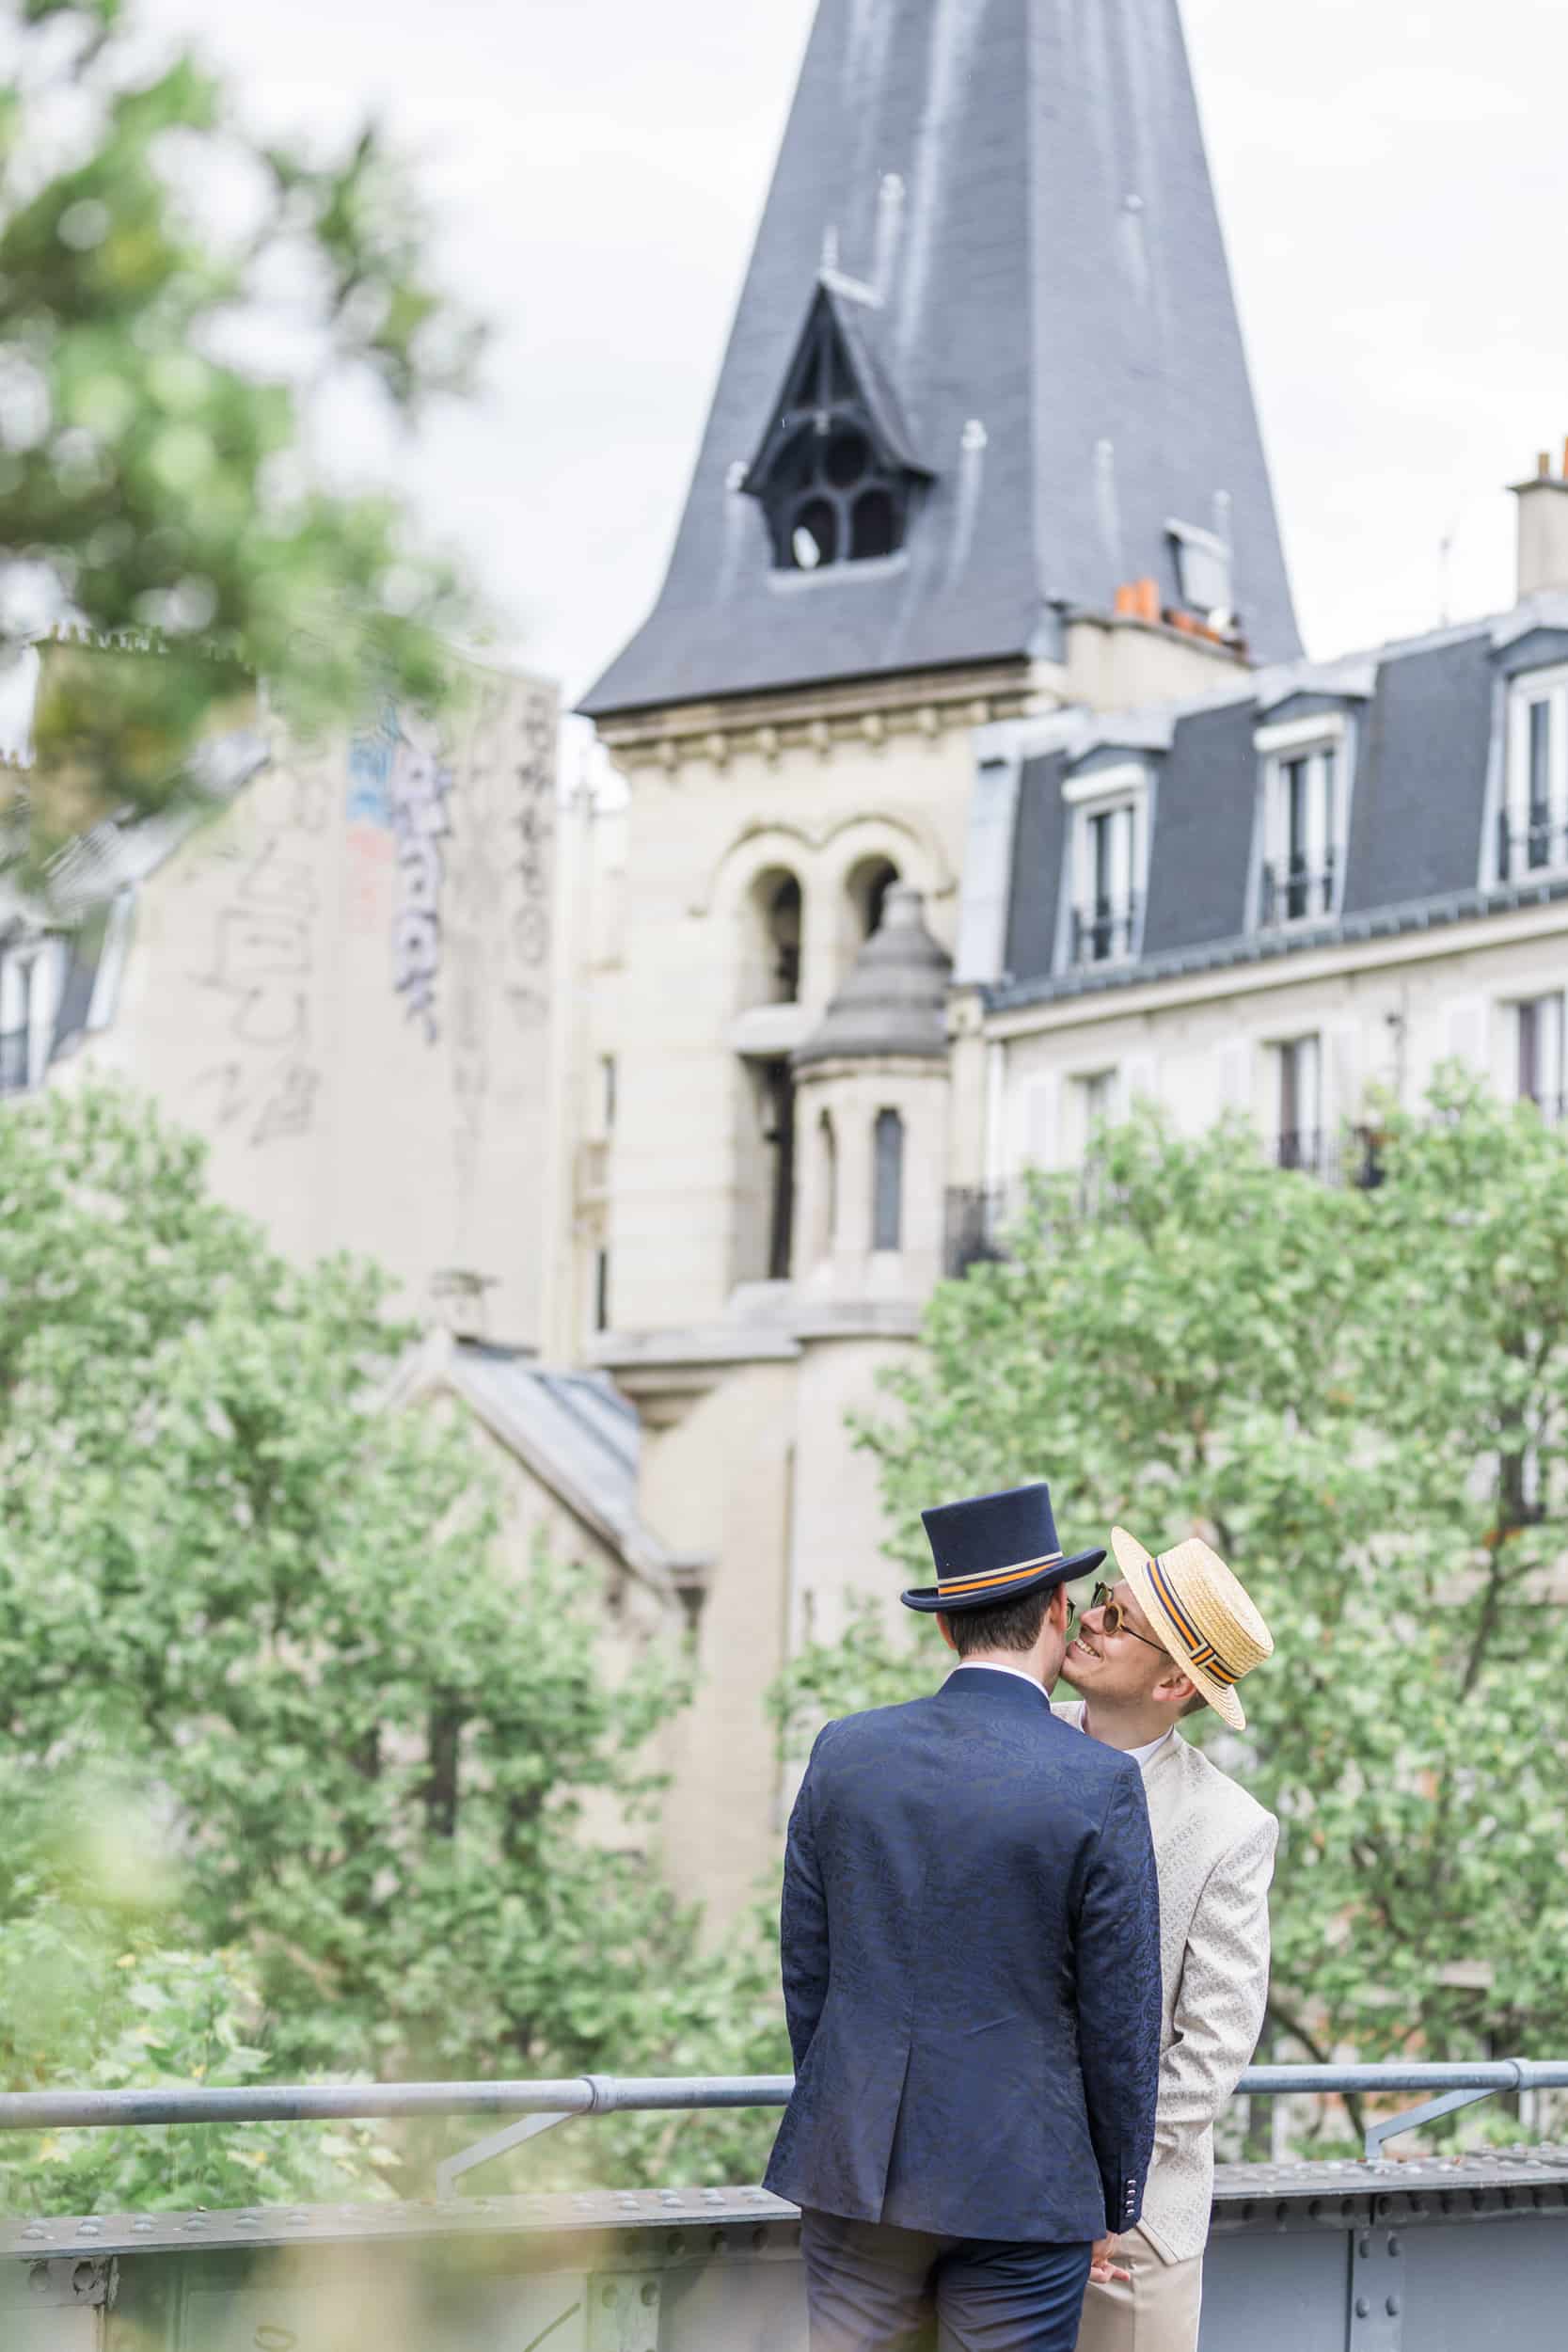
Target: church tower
point(983, 444)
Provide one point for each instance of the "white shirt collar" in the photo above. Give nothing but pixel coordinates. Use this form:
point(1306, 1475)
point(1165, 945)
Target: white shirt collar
point(992, 1666)
point(1142, 1756)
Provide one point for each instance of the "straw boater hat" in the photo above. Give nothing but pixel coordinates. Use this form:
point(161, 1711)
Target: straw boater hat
point(1200, 1612)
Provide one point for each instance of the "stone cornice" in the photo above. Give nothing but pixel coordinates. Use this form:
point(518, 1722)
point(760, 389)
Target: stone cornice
point(1382, 937)
point(816, 717)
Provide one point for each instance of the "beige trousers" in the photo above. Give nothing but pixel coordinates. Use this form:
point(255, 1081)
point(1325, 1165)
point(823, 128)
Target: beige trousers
point(1155, 2311)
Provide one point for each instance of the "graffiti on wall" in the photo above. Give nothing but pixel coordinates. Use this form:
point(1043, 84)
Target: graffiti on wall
point(534, 821)
point(262, 961)
point(399, 779)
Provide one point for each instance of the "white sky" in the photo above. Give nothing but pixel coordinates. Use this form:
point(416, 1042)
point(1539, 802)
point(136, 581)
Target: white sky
point(1392, 182)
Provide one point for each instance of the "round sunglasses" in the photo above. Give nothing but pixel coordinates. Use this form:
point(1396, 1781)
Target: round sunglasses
point(1113, 1618)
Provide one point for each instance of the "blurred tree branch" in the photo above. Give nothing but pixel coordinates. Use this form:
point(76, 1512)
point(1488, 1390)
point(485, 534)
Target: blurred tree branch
point(177, 301)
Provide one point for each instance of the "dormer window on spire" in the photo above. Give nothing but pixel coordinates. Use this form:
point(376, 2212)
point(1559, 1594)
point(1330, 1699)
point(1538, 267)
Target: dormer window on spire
point(835, 474)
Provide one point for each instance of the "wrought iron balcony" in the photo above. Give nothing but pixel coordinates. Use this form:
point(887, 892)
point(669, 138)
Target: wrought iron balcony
point(1293, 891)
point(978, 1218)
point(1300, 1147)
point(973, 1216)
point(1537, 847)
point(1106, 933)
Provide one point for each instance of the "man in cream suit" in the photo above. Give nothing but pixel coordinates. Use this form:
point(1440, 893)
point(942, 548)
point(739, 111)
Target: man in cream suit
point(1173, 1636)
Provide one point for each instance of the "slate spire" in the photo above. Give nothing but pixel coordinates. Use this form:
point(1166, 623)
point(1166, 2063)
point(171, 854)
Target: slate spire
point(996, 218)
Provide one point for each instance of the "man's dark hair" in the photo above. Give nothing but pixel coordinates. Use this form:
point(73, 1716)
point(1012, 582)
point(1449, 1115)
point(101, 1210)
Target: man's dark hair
point(1195, 1705)
point(1011, 1625)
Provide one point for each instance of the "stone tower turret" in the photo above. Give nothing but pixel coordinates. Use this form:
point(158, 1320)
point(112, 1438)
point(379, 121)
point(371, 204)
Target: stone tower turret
point(871, 1127)
point(982, 445)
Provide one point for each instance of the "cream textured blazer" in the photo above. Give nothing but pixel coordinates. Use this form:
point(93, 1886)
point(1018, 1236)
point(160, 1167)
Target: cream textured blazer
point(1214, 1850)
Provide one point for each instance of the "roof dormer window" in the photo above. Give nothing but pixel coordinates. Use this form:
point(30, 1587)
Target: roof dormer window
point(1203, 573)
point(835, 475)
point(1303, 779)
point(1108, 865)
point(1532, 831)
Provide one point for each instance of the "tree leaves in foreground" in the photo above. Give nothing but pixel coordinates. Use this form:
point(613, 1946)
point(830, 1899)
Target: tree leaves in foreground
point(271, 1614)
point(180, 306)
point(1362, 1396)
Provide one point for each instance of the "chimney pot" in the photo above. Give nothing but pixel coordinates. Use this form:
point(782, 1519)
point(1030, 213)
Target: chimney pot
point(1543, 518)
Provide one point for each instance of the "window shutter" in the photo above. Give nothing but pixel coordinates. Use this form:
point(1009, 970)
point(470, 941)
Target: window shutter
point(1309, 1087)
point(1320, 779)
point(1276, 815)
point(1121, 859)
point(1343, 1078)
point(1041, 1120)
point(1465, 1033)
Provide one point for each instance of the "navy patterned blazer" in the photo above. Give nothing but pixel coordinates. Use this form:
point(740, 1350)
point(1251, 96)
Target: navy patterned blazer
point(970, 1935)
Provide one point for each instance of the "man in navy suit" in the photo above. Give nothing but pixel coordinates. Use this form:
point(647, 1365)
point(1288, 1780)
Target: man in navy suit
point(970, 1943)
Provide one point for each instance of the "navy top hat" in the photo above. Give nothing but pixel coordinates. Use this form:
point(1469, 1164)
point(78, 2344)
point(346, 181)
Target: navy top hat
point(995, 1548)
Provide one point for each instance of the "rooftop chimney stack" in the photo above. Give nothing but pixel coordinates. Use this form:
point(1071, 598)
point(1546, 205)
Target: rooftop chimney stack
point(1543, 528)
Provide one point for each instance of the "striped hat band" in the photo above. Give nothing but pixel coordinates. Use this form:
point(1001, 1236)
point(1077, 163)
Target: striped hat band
point(1200, 1651)
point(997, 1578)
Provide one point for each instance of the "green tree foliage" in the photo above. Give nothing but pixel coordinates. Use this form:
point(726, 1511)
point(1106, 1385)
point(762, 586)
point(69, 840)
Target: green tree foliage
point(178, 303)
point(1362, 1396)
point(86, 1982)
point(269, 1608)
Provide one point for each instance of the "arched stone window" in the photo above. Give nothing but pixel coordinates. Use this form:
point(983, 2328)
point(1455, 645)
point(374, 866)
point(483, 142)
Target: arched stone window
point(887, 1182)
point(868, 884)
point(773, 959)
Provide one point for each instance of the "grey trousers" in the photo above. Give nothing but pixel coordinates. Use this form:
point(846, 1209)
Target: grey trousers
point(871, 2287)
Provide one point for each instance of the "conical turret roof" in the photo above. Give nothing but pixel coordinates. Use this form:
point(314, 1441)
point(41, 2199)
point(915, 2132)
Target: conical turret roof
point(1004, 208)
point(894, 1001)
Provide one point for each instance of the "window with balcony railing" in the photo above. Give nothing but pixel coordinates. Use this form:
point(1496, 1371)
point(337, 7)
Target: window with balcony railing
point(1107, 866)
point(1299, 1134)
point(1303, 830)
point(1532, 822)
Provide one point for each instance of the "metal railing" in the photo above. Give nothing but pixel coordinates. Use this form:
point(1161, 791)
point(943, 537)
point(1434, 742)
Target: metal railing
point(1294, 892)
point(973, 1218)
point(1104, 933)
point(977, 1218)
point(537, 2106)
point(1535, 847)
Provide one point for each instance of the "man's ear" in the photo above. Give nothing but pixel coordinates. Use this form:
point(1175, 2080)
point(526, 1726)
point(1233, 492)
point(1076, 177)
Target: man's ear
point(1175, 1690)
point(946, 1630)
point(1058, 1607)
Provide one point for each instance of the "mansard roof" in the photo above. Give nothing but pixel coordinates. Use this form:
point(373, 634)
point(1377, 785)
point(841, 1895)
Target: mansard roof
point(1009, 211)
point(1427, 758)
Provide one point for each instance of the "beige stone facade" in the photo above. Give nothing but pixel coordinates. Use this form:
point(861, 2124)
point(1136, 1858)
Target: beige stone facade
point(343, 985)
point(1385, 1013)
point(733, 1286)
